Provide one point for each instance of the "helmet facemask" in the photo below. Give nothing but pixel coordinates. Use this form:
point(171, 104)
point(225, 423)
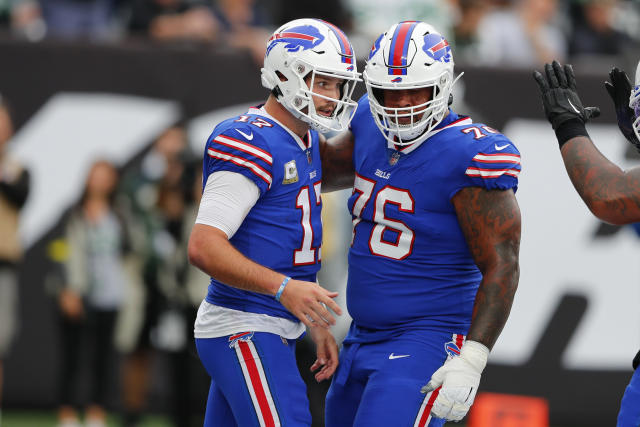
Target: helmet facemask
point(301, 104)
point(422, 118)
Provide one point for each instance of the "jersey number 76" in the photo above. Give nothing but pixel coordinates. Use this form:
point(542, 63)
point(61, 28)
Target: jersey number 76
point(403, 244)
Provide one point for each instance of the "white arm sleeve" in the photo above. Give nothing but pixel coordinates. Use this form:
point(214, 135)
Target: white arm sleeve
point(227, 199)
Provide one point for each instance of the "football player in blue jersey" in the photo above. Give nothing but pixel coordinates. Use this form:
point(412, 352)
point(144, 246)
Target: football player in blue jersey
point(433, 265)
point(612, 194)
point(258, 232)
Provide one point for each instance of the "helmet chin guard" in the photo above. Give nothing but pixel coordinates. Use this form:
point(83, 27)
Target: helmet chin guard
point(308, 48)
point(409, 55)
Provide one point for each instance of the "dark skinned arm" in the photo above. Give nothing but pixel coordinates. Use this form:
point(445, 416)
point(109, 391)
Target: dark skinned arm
point(336, 153)
point(613, 195)
point(490, 221)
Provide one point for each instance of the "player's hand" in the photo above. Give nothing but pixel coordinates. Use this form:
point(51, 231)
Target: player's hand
point(326, 352)
point(619, 88)
point(560, 98)
point(308, 301)
point(459, 378)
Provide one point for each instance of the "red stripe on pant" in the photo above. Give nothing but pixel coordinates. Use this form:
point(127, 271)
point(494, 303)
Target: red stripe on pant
point(427, 409)
point(256, 382)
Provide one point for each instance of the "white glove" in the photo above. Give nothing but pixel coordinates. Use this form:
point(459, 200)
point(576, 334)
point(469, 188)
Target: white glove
point(459, 377)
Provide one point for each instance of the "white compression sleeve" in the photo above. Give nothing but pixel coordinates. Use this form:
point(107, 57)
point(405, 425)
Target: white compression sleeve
point(227, 199)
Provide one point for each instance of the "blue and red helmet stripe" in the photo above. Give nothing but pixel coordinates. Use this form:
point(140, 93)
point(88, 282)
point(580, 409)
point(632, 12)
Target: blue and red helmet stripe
point(345, 47)
point(399, 48)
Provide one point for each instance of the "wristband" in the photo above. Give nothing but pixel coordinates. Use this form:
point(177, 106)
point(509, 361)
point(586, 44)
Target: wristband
point(570, 129)
point(281, 288)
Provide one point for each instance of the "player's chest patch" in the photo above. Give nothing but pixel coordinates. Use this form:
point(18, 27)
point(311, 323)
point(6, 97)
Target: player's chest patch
point(290, 172)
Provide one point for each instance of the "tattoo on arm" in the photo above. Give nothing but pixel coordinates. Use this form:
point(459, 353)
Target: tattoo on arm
point(612, 194)
point(337, 162)
point(490, 221)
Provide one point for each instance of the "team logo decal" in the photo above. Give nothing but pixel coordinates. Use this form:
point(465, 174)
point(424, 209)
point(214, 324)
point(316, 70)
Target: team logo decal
point(452, 349)
point(394, 158)
point(437, 48)
point(397, 80)
point(297, 38)
point(290, 172)
point(376, 46)
point(244, 336)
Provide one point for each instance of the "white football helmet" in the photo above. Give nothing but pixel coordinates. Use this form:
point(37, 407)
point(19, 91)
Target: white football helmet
point(634, 102)
point(313, 46)
point(409, 55)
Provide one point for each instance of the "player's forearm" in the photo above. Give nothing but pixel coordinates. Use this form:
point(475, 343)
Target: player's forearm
point(493, 301)
point(612, 194)
point(210, 251)
point(336, 153)
point(491, 222)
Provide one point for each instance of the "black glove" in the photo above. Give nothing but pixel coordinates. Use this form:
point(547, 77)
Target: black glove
point(619, 89)
point(559, 96)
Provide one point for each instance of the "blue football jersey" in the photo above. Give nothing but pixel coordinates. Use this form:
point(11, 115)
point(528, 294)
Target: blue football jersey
point(409, 263)
point(283, 230)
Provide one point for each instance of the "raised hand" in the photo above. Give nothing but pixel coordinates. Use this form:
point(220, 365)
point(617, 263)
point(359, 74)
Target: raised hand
point(619, 88)
point(560, 98)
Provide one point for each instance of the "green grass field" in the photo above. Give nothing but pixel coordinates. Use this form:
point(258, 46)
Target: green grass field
point(48, 419)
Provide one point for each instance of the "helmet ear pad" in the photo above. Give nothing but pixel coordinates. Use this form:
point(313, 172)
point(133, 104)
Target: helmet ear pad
point(269, 78)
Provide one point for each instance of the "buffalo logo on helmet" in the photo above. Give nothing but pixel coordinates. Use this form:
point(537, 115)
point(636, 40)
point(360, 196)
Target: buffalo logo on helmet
point(397, 80)
point(437, 47)
point(297, 38)
point(376, 46)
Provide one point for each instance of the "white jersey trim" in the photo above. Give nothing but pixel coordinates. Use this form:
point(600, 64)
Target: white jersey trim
point(226, 200)
point(262, 112)
point(214, 321)
point(462, 121)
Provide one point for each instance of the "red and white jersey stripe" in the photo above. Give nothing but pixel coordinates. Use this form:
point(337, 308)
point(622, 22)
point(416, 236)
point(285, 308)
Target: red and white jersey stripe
point(491, 173)
point(256, 169)
point(257, 384)
point(243, 146)
point(494, 165)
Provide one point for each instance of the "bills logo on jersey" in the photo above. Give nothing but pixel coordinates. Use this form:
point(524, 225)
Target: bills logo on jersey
point(376, 46)
point(437, 48)
point(297, 38)
point(290, 172)
point(452, 349)
point(244, 336)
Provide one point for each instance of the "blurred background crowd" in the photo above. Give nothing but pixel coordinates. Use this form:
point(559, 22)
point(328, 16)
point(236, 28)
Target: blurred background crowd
point(121, 286)
point(504, 32)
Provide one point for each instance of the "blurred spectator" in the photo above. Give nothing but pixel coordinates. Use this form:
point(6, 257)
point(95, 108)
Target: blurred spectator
point(93, 295)
point(173, 20)
point(522, 35)
point(465, 28)
point(23, 18)
point(153, 195)
point(593, 33)
point(75, 19)
point(14, 188)
point(244, 26)
point(372, 17)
